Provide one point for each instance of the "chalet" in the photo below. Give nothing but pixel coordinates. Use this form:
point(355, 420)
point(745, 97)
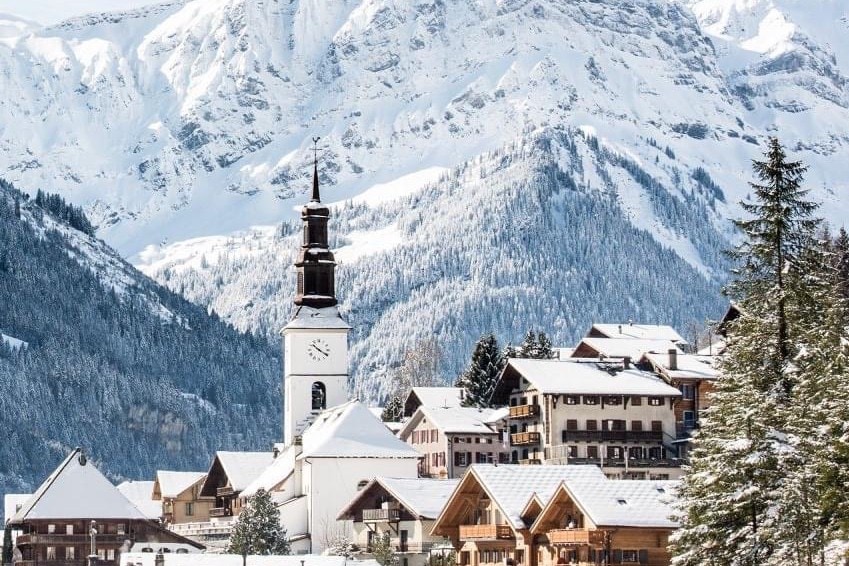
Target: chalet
point(446, 397)
point(633, 331)
point(609, 414)
point(77, 504)
point(179, 497)
point(229, 474)
point(630, 349)
point(606, 522)
point(451, 439)
point(405, 508)
point(489, 514)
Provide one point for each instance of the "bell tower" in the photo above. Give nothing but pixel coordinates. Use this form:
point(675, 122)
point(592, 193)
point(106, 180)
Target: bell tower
point(315, 342)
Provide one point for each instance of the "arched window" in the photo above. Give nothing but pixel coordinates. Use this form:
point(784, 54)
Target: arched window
point(319, 396)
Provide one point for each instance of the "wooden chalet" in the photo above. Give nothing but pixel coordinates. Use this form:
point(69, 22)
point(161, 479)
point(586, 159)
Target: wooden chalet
point(229, 474)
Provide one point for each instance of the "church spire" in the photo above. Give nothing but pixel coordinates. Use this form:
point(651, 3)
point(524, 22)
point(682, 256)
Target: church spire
point(316, 264)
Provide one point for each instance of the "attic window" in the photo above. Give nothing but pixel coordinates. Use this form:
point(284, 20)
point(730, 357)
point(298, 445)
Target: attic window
point(622, 502)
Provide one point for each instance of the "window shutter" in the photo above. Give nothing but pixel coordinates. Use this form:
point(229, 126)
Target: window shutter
point(644, 556)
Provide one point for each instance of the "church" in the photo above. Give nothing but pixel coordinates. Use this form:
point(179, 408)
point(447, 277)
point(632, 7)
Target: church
point(332, 446)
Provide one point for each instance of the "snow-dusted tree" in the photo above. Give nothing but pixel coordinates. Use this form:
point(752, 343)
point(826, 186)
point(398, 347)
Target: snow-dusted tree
point(480, 378)
point(535, 346)
point(420, 368)
point(737, 486)
point(394, 409)
point(258, 529)
point(7, 545)
point(383, 550)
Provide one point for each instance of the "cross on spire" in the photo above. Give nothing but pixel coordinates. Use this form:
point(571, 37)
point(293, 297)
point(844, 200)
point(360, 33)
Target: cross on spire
point(316, 197)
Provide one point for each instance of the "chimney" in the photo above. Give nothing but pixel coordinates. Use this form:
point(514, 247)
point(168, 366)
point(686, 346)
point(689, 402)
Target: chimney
point(620, 329)
point(626, 362)
point(673, 358)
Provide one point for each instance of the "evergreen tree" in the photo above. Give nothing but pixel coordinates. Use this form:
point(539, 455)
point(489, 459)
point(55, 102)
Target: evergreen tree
point(258, 529)
point(393, 411)
point(383, 550)
point(481, 377)
point(749, 473)
point(535, 346)
point(7, 545)
point(544, 349)
point(841, 261)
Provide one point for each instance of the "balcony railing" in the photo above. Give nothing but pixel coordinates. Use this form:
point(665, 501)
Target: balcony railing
point(576, 536)
point(224, 491)
point(220, 512)
point(632, 462)
point(524, 438)
point(414, 547)
point(60, 539)
point(524, 411)
point(489, 532)
point(388, 515)
point(60, 562)
point(612, 436)
point(531, 462)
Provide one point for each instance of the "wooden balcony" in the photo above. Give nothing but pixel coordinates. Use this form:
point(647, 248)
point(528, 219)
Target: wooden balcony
point(220, 512)
point(62, 562)
point(225, 491)
point(576, 537)
point(524, 438)
point(524, 411)
point(612, 436)
point(381, 515)
point(65, 540)
point(485, 532)
point(531, 462)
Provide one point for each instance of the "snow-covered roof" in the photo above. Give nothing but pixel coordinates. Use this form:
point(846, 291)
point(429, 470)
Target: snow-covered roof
point(139, 493)
point(462, 420)
point(621, 503)
point(350, 430)
point(310, 317)
point(640, 331)
point(713, 349)
point(438, 396)
point(276, 473)
point(688, 366)
point(589, 378)
point(243, 467)
point(76, 489)
point(174, 559)
point(423, 497)
point(632, 348)
point(511, 487)
point(12, 502)
point(172, 484)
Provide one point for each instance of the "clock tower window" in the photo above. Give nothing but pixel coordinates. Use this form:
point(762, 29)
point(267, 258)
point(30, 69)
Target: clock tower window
point(319, 396)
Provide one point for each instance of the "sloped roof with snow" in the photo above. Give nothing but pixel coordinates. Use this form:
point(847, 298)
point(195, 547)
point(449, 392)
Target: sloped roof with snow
point(462, 420)
point(350, 430)
point(688, 366)
point(633, 348)
point(12, 502)
point(172, 484)
point(511, 486)
point(589, 378)
point(423, 497)
point(313, 318)
point(139, 493)
point(243, 467)
point(439, 396)
point(275, 474)
point(77, 489)
point(639, 331)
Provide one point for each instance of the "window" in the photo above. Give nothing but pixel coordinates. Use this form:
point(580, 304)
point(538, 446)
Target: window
point(630, 556)
point(657, 426)
point(573, 451)
point(688, 391)
point(613, 400)
point(655, 453)
point(636, 401)
point(477, 440)
point(440, 459)
point(119, 530)
point(571, 424)
point(319, 396)
point(655, 401)
point(592, 452)
point(614, 453)
point(571, 399)
point(689, 418)
point(504, 458)
point(590, 400)
point(69, 529)
point(592, 424)
point(434, 435)
point(70, 553)
point(50, 551)
point(190, 509)
point(636, 426)
point(51, 529)
point(434, 459)
point(460, 459)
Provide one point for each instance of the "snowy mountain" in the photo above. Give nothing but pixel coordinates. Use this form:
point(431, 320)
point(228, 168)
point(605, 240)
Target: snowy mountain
point(95, 354)
point(193, 119)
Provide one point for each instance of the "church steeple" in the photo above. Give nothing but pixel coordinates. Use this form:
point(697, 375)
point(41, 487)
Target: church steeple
point(316, 264)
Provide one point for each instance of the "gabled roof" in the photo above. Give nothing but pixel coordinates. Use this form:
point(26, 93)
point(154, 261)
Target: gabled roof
point(350, 430)
point(139, 493)
point(306, 317)
point(687, 366)
point(633, 348)
point(12, 502)
point(639, 331)
point(455, 420)
point(437, 396)
point(616, 503)
point(172, 484)
point(585, 377)
point(240, 468)
point(424, 498)
point(76, 489)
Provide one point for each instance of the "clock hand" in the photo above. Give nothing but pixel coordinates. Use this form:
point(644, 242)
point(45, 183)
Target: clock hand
point(320, 350)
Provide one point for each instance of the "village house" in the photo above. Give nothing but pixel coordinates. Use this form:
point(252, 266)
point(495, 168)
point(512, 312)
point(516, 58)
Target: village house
point(229, 474)
point(632, 331)
point(451, 439)
point(179, 496)
point(694, 375)
point(405, 509)
point(446, 397)
point(76, 510)
point(606, 413)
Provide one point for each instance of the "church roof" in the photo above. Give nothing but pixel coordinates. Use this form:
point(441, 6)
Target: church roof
point(77, 489)
point(306, 317)
point(172, 484)
point(350, 430)
point(139, 493)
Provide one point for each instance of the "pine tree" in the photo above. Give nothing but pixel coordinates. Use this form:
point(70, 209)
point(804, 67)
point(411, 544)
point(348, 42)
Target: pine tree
point(393, 411)
point(737, 486)
point(258, 529)
point(383, 550)
point(7, 545)
point(841, 261)
point(529, 346)
point(544, 349)
point(481, 377)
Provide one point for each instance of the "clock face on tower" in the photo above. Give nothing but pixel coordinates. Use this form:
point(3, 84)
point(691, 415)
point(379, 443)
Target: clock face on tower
point(318, 350)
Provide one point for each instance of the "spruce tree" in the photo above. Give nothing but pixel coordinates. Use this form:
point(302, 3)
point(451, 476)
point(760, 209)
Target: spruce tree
point(529, 346)
point(8, 552)
point(481, 377)
point(258, 530)
point(544, 349)
point(394, 410)
point(736, 486)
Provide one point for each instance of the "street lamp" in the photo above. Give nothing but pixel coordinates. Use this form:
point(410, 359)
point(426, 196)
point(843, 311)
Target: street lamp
point(92, 533)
